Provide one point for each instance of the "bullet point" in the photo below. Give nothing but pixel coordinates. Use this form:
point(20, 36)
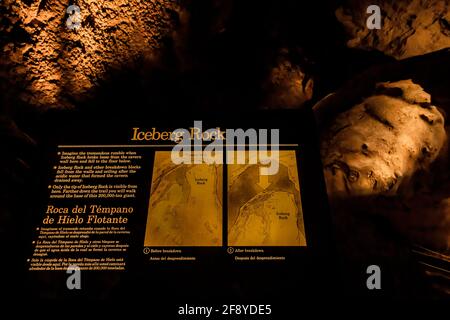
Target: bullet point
point(59, 153)
point(33, 241)
point(28, 260)
point(55, 167)
point(37, 229)
point(49, 187)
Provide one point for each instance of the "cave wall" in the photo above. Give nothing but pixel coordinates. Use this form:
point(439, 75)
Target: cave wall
point(409, 27)
point(54, 65)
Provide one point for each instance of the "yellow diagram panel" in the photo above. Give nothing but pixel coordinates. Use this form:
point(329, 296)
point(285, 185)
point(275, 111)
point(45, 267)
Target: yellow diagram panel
point(185, 204)
point(265, 210)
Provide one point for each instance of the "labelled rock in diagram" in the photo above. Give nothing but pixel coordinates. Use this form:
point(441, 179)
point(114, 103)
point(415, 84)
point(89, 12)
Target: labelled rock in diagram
point(185, 204)
point(265, 210)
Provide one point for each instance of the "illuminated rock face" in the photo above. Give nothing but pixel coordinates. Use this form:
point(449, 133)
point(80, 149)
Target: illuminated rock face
point(377, 146)
point(386, 157)
point(59, 65)
point(409, 28)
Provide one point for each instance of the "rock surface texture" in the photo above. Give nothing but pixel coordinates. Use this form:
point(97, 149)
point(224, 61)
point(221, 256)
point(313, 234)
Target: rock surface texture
point(379, 144)
point(409, 27)
point(387, 156)
point(57, 65)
